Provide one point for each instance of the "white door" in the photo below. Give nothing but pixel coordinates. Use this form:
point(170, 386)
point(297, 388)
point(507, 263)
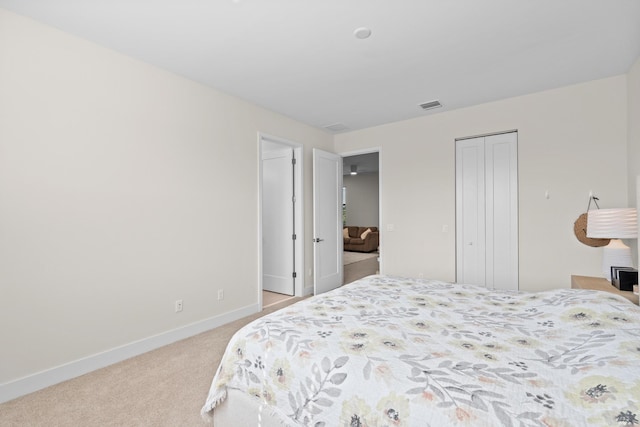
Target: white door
point(501, 210)
point(327, 221)
point(470, 218)
point(487, 211)
point(278, 263)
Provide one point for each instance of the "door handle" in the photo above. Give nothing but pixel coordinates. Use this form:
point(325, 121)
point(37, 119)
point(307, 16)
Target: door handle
point(318, 240)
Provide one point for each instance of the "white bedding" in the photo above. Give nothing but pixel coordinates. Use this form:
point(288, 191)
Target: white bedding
point(387, 351)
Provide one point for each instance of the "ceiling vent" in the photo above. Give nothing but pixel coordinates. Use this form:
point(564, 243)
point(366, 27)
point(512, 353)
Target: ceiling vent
point(336, 127)
point(431, 104)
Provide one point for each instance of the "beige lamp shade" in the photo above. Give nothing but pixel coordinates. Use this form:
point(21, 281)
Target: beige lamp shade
point(612, 223)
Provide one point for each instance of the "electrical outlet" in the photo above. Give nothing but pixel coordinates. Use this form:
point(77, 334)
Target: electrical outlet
point(178, 305)
point(220, 294)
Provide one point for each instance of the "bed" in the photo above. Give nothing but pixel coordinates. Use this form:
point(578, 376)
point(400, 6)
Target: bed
point(391, 351)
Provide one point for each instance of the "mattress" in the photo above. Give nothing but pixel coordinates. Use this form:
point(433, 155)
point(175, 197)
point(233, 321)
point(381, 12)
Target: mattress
point(392, 351)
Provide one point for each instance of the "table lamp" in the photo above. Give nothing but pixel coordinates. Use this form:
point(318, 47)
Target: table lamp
point(614, 224)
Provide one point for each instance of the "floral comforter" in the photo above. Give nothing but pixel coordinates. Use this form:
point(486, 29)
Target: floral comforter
point(387, 351)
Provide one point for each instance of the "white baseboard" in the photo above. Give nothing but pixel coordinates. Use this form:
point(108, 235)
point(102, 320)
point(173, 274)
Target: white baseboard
point(40, 380)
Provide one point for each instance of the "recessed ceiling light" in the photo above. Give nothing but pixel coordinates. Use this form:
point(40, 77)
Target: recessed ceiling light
point(362, 33)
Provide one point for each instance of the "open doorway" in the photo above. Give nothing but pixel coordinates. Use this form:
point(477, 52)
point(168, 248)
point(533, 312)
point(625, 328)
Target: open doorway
point(361, 215)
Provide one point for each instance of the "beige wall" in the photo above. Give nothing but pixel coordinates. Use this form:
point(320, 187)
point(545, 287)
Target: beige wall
point(633, 146)
point(570, 141)
point(122, 188)
point(363, 202)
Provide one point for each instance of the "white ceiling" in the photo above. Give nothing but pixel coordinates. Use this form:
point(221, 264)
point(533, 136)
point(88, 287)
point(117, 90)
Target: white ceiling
point(300, 57)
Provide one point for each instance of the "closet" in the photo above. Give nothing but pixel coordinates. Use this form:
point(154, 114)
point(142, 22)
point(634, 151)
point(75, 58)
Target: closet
point(487, 211)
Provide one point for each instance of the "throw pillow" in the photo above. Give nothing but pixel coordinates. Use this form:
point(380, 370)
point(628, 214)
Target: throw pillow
point(365, 234)
point(345, 233)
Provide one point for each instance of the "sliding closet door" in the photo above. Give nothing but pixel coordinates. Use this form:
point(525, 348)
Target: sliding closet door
point(487, 211)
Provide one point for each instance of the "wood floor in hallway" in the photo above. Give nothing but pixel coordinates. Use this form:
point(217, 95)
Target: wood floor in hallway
point(360, 269)
point(271, 298)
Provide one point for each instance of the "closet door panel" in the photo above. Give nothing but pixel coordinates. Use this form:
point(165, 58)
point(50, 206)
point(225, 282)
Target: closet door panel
point(501, 188)
point(470, 212)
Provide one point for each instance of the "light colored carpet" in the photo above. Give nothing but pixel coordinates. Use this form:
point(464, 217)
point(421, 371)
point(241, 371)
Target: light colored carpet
point(351, 257)
point(164, 387)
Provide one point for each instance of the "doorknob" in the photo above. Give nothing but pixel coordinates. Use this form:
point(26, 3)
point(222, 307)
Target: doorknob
point(318, 240)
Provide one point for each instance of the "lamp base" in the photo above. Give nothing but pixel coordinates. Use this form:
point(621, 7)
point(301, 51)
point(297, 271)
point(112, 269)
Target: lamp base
point(615, 254)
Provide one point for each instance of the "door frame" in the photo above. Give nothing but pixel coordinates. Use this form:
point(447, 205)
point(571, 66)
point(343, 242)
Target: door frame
point(298, 150)
point(381, 229)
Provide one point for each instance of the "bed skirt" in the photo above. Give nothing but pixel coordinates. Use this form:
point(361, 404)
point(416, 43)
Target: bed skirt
point(241, 409)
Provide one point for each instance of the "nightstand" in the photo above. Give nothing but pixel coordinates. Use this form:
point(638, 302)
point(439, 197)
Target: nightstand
point(601, 284)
